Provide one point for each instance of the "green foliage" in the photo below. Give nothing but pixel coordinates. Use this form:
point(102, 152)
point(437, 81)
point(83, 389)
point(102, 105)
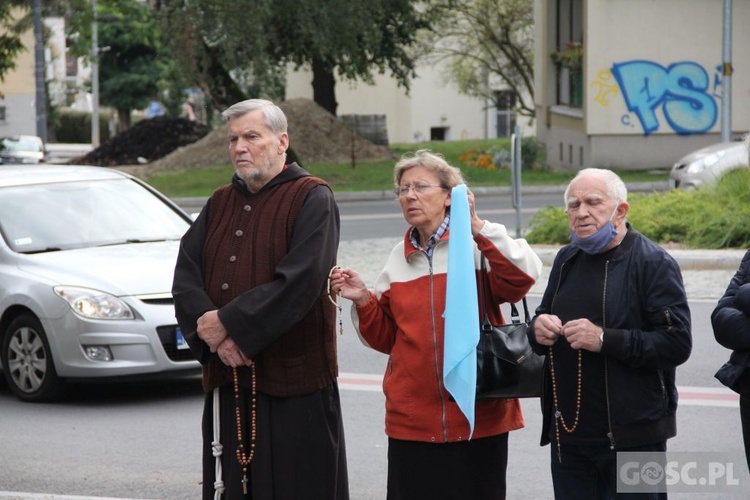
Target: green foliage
point(486, 41)
point(497, 155)
point(131, 66)
point(243, 46)
point(10, 34)
point(569, 57)
point(75, 127)
point(549, 226)
point(132, 57)
point(712, 217)
point(531, 153)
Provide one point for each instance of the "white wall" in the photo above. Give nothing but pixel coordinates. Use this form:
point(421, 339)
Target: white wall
point(644, 55)
point(652, 82)
point(431, 103)
point(19, 88)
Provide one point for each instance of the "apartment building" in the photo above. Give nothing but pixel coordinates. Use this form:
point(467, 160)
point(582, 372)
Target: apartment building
point(636, 83)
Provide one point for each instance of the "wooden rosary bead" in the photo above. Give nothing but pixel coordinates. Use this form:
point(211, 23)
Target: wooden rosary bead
point(559, 419)
point(243, 458)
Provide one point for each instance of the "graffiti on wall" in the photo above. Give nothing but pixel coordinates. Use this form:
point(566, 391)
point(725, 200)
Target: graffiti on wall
point(682, 94)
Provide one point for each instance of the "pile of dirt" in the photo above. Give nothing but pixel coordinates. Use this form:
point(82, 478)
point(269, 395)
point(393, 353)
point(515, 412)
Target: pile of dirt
point(315, 135)
point(144, 142)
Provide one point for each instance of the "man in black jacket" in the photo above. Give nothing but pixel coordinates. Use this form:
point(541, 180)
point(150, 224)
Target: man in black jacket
point(614, 323)
point(731, 324)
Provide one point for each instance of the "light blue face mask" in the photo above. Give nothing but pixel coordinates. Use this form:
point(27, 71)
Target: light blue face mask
point(600, 240)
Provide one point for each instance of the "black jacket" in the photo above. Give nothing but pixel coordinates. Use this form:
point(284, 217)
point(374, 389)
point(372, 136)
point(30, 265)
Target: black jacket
point(731, 323)
point(647, 335)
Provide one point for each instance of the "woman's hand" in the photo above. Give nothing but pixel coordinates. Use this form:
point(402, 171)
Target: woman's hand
point(348, 284)
point(476, 223)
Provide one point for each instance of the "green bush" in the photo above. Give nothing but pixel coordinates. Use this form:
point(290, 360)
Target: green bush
point(548, 226)
point(75, 127)
point(713, 217)
point(531, 151)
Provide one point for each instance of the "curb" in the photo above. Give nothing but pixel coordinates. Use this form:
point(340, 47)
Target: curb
point(689, 260)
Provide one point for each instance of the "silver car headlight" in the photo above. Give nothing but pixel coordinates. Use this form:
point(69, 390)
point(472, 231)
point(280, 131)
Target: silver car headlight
point(94, 304)
point(704, 163)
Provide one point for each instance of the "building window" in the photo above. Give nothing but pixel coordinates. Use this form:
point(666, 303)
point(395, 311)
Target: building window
point(2, 112)
point(568, 54)
point(438, 133)
point(71, 62)
point(505, 101)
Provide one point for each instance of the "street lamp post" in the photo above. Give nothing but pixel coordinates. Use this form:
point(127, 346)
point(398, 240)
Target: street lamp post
point(94, 79)
point(726, 83)
point(39, 73)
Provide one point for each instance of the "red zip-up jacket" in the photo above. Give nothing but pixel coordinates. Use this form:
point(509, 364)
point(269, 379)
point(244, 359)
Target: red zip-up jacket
point(404, 319)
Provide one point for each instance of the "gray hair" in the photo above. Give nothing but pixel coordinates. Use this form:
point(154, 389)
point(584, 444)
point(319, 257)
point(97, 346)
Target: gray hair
point(275, 119)
point(616, 189)
point(449, 176)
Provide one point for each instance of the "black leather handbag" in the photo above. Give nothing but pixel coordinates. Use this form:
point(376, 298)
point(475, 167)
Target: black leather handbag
point(507, 367)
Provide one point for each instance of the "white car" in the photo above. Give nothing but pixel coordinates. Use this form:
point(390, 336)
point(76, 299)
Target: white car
point(705, 166)
point(87, 256)
point(22, 149)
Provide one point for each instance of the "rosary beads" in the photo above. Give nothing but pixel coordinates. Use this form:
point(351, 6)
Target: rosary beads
point(243, 457)
point(337, 301)
point(559, 419)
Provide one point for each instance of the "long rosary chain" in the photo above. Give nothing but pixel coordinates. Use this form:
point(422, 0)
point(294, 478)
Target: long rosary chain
point(337, 301)
point(244, 458)
point(559, 419)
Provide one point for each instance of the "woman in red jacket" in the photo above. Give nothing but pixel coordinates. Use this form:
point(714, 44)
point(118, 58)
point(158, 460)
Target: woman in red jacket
point(429, 454)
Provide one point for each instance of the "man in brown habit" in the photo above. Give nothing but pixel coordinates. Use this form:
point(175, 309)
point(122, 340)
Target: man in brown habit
point(250, 298)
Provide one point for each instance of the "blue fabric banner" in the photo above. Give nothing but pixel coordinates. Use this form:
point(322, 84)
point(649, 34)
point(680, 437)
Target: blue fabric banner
point(461, 309)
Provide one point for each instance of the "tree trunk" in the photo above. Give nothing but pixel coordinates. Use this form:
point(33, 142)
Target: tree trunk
point(324, 86)
point(215, 80)
point(123, 117)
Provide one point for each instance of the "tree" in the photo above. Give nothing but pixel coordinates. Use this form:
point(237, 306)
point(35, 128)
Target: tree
point(486, 40)
point(131, 56)
point(238, 48)
point(10, 33)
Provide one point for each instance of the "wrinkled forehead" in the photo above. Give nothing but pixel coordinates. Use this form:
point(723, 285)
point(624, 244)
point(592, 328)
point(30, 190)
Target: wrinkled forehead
point(591, 189)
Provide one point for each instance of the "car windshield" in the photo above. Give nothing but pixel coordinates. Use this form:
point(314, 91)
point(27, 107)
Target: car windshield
point(68, 215)
point(20, 144)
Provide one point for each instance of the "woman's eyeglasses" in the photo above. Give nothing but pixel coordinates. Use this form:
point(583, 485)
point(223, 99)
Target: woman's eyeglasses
point(418, 188)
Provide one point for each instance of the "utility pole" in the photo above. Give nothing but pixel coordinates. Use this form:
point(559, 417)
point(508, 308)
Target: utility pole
point(39, 73)
point(94, 79)
point(726, 83)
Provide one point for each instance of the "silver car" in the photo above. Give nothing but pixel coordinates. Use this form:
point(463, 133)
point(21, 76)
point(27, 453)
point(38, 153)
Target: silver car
point(87, 256)
point(705, 166)
point(22, 149)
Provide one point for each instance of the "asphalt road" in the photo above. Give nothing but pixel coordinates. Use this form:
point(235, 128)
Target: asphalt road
point(136, 440)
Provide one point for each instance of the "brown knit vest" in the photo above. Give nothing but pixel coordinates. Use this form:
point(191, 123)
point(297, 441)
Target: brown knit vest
point(245, 240)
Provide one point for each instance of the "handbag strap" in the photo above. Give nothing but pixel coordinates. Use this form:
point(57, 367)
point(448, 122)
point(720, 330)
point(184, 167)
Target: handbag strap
point(483, 297)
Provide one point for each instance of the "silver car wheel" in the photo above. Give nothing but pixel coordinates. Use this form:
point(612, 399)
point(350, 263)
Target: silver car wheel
point(27, 361)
